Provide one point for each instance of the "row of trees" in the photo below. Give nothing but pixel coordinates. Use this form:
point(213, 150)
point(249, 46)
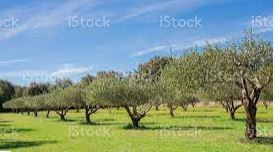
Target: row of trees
point(234, 75)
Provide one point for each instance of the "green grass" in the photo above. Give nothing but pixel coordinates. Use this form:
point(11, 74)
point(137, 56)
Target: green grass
point(197, 129)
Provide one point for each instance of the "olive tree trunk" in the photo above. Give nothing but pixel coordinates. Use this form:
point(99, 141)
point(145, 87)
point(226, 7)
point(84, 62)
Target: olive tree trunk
point(232, 108)
point(88, 112)
point(35, 113)
point(48, 113)
point(172, 108)
point(62, 114)
point(250, 131)
point(250, 101)
point(135, 115)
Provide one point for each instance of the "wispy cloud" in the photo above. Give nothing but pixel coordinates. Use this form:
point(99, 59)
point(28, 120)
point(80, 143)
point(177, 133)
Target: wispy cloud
point(51, 16)
point(14, 61)
point(69, 70)
point(150, 8)
point(164, 6)
point(180, 47)
point(65, 71)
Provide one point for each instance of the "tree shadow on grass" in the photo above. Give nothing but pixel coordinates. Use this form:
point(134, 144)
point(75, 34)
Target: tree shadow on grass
point(67, 120)
point(259, 112)
point(264, 140)
point(5, 121)
point(10, 130)
point(258, 120)
point(258, 140)
point(129, 127)
point(4, 125)
point(102, 124)
point(107, 119)
point(206, 110)
point(194, 116)
point(20, 144)
point(98, 123)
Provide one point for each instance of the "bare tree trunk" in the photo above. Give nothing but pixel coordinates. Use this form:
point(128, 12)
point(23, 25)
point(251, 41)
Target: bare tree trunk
point(35, 113)
point(87, 115)
point(232, 115)
point(48, 113)
point(250, 131)
point(172, 112)
point(226, 106)
point(193, 104)
point(135, 115)
point(250, 101)
point(62, 114)
point(62, 117)
point(89, 111)
point(232, 108)
point(135, 122)
point(157, 107)
point(184, 107)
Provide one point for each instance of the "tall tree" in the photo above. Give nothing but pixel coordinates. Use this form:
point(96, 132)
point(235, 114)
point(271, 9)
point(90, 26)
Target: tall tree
point(218, 82)
point(181, 78)
point(152, 70)
point(253, 64)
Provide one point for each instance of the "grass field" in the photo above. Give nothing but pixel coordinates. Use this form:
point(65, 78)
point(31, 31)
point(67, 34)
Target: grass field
point(197, 129)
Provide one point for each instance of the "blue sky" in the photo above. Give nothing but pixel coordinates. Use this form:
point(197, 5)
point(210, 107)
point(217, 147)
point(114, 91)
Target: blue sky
point(42, 45)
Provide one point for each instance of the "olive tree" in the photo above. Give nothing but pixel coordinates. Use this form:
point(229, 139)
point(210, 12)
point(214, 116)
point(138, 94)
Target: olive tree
point(61, 100)
point(218, 80)
point(253, 68)
point(152, 70)
point(35, 103)
point(181, 81)
point(134, 97)
point(88, 100)
point(17, 105)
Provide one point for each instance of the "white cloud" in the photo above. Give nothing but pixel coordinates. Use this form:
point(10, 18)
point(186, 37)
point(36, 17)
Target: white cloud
point(69, 70)
point(175, 47)
point(14, 61)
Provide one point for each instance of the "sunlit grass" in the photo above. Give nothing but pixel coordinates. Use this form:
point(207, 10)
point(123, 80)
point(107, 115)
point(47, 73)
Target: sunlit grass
point(197, 129)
